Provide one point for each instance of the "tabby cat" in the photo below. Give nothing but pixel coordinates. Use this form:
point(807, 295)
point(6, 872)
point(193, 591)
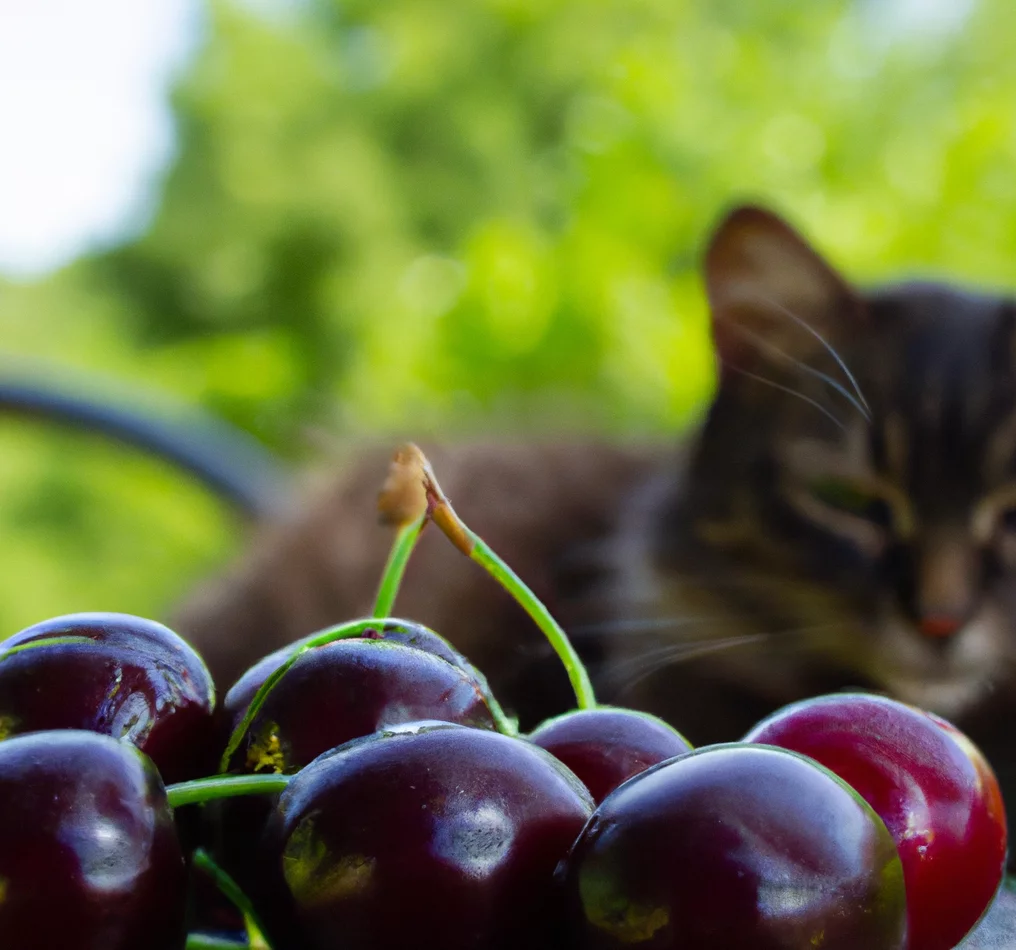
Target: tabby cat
point(844, 517)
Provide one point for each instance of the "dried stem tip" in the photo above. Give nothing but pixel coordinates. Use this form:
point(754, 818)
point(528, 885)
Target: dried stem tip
point(440, 511)
point(402, 498)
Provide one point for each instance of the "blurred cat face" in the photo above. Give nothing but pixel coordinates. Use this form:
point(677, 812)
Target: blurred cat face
point(915, 497)
point(853, 492)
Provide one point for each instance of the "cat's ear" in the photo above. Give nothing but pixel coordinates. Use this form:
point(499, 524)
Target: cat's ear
point(772, 296)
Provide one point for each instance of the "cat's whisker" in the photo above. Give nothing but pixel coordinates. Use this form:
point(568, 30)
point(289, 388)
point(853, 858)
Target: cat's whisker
point(792, 392)
point(623, 677)
point(807, 631)
point(767, 347)
point(616, 675)
point(686, 649)
point(626, 675)
point(829, 348)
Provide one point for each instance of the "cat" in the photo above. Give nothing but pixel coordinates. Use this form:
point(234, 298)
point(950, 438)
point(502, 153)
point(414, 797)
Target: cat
point(843, 517)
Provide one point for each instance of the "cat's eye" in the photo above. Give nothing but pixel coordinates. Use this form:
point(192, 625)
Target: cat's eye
point(1007, 519)
point(849, 498)
point(993, 519)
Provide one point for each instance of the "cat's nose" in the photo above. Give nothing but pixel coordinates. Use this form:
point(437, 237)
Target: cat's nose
point(939, 626)
point(946, 584)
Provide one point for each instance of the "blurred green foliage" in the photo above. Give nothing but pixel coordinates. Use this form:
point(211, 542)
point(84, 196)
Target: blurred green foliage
point(420, 216)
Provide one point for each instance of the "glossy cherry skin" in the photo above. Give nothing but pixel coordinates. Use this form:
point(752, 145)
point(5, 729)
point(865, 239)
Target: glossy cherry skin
point(135, 679)
point(607, 746)
point(89, 857)
point(403, 632)
point(352, 688)
point(735, 846)
point(332, 694)
point(929, 784)
point(438, 838)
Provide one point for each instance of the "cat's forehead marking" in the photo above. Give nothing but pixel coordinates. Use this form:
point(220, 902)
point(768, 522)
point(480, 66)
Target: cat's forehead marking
point(946, 372)
point(932, 399)
point(897, 446)
point(857, 446)
point(1000, 451)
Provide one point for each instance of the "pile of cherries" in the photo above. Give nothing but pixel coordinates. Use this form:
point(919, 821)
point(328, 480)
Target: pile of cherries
point(362, 789)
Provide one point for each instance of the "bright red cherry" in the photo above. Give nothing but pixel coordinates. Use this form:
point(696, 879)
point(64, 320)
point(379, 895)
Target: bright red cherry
point(930, 785)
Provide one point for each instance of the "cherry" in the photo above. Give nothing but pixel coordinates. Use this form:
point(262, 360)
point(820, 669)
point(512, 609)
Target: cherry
point(930, 785)
point(330, 695)
point(735, 846)
point(89, 856)
point(607, 746)
point(403, 632)
point(116, 674)
point(429, 836)
point(347, 689)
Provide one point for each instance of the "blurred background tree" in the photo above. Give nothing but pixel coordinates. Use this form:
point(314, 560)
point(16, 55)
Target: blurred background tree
point(419, 217)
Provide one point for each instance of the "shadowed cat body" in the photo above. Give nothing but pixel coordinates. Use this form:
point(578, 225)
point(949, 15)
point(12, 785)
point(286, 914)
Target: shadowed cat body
point(845, 516)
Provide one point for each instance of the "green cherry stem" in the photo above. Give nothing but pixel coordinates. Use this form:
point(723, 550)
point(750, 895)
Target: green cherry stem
point(233, 892)
point(582, 686)
point(200, 790)
point(505, 724)
point(473, 546)
point(343, 631)
point(406, 536)
point(403, 503)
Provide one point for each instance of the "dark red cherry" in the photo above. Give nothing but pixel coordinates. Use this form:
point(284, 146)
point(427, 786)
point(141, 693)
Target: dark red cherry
point(436, 838)
point(607, 746)
point(930, 785)
point(403, 632)
point(330, 695)
point(89, 857)
point(133, 679)
point(735, 846)
point(347, 689)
